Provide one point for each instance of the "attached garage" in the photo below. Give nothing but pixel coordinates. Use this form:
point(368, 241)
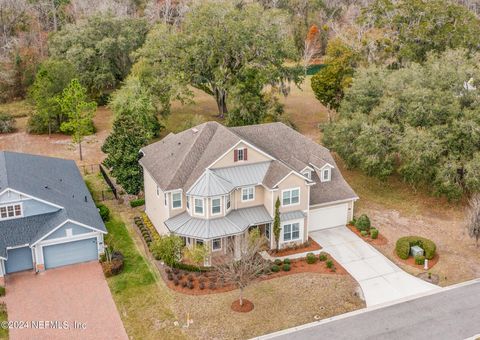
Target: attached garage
point(19, 259)
point(70, 252)
point(328, 217)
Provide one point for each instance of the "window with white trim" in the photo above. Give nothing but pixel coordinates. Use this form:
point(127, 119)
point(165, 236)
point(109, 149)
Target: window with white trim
point(176, 200)
point(216, 206)
point(307, 174)
point(10, 211)
point(199, 242)
point(291, 231)
point(217, 244)
point(291, 196)
point(199, 206)
point(326, 175)
point(248, 194)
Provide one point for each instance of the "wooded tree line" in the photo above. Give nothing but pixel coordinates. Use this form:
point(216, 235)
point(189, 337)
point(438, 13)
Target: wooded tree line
point(406, 98)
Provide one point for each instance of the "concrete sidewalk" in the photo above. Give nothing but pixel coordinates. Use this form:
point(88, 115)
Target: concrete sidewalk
point(380, 279)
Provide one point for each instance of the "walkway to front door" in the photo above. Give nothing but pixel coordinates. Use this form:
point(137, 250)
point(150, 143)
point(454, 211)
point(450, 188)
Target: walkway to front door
point(380, 279)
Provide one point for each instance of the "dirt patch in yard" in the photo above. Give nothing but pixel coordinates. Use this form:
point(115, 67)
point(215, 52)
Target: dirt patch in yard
point(460, 258)
point(247, 306)
point(312, 245)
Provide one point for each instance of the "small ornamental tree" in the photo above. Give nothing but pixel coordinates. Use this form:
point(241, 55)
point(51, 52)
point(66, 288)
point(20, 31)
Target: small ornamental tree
point(276, 223)
point(196, 254)
point(248, 267)
point(473, 219)
point(168, 248)
point(75, 105)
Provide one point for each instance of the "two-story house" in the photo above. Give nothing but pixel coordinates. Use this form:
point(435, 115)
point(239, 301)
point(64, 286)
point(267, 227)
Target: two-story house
point(47, 216)
point(211, 184)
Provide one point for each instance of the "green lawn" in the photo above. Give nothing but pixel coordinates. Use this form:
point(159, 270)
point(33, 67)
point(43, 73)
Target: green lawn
point(142, 303)
point(17, 109)
point(3, 317)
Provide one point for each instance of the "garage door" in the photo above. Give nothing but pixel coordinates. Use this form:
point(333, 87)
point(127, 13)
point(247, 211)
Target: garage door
point(69, 253)
point(328, 217)
point(19, 259)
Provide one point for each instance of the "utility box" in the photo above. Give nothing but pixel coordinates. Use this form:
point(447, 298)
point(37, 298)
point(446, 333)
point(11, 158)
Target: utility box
point(416, 251)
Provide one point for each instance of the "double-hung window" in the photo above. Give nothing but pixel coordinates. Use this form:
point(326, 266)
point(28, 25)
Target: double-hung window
point(248, 194)
point(217, 244)
point(291, 196)
point(291, 231)
point(326, 174)
point(176, 200)
point(199, 206)
point(227, 202)
point(216, 208)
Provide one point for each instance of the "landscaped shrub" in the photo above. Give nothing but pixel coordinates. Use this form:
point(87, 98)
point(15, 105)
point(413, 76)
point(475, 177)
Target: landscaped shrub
point(364, 233)
point(275, 268)
point(278, 262)
point(202, 285)
point(310, 258)
point(287, 261)
point(114, 266)
point(189, 267)
point(329, 264)
point(419, 259)
point(190, 278)
point(362, 223)
point(190, 284)
point(176, 281)
point(402, 247)
point(104, 212)
point(323, 256)
point(170, 277)
point(7, 123)
point(137, 202)
point(286, 267)
point(374, 233)
point(184, 284)
point(352, 222)
point(2, 291)
point(212, 285)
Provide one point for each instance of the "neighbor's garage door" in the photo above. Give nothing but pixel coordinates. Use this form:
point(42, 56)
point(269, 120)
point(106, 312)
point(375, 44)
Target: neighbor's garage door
point(69, 253)
point(19, 259)
point(328, 217)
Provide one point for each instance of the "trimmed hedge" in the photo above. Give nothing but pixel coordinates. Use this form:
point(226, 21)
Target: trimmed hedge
point(189, 267)
point(310, 258)
point(137, 202)
point(374, 233)
point(403, 245)
point(275, 268)
point(286, 267)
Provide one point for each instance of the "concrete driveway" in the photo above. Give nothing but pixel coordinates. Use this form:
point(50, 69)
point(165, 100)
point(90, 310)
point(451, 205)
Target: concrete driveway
point(63, 296)
point(380, 279)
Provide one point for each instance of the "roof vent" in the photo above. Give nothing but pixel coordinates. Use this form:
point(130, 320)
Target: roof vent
point(179, 143)
point(46, 186)
point(194, 130)
point(86, 199)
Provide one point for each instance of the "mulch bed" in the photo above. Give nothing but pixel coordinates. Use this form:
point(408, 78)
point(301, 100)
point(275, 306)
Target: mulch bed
point(411, 261)
point(219, 286)
point(379, 241)
point(245, 308)
point(290, 251)
point(429, 277)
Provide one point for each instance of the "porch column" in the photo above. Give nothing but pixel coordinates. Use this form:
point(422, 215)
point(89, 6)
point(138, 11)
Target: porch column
point(208, 258)
point(238, 244)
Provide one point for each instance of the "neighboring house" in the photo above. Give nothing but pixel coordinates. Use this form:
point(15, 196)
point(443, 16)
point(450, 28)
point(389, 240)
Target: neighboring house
point(47, 216)
point(211, 184)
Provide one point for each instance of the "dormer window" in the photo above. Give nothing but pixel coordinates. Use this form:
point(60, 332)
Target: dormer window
point(326, 174)
point(307, 174)
point(240, 154)
point(10, 211)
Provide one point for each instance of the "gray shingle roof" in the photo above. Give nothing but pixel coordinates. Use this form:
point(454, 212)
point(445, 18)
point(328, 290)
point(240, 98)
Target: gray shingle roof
point(178, 160)
point(54, 180)
point(234, 223)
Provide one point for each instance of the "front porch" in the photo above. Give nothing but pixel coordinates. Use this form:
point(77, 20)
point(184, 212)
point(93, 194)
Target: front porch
point(225, 248)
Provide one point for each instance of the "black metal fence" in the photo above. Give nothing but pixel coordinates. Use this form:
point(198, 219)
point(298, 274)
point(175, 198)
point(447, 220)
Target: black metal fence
point(108, 180)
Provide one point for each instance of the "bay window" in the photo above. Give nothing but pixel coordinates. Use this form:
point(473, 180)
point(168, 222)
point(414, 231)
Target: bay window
point(216, 209)
point(199, 206)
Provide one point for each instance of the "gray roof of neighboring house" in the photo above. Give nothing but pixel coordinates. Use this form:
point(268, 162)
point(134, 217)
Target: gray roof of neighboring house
point(178, 160)
point(291, 215)
point(54, 180)
point(235, 222)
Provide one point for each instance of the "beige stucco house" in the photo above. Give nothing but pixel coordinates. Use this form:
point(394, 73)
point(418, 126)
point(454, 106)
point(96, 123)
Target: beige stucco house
point(212, 184)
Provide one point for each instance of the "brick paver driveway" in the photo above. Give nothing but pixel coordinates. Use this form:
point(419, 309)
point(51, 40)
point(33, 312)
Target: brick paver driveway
point(77, 293)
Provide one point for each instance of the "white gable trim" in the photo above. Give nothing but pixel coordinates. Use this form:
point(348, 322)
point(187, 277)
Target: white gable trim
point(307, 168)
point(61, 225)
point(292, 172)
point(236, 146)
point(328, 164)
point(31, 197)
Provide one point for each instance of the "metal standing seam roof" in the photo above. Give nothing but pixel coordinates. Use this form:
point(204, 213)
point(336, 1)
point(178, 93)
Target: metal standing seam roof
point(235, 222)
point(210, 184)
point(292, 215)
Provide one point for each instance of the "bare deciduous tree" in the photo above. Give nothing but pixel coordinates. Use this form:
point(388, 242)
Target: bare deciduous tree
point(166, 11)
point(248, 267)
point(473, 218)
